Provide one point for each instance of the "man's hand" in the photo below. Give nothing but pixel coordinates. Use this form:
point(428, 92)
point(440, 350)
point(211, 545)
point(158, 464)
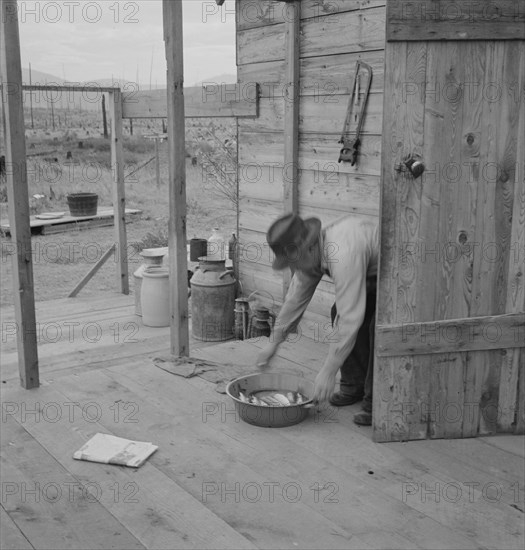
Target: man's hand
point(265, 356)
point(324, 385)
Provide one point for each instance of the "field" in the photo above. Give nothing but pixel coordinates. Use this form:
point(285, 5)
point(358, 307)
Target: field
point(61, 260)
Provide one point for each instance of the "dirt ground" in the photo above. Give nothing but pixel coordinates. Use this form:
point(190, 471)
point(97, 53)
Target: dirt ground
point(61, 260)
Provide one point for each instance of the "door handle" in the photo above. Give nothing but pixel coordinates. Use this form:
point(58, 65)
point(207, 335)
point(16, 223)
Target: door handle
point(415, 167)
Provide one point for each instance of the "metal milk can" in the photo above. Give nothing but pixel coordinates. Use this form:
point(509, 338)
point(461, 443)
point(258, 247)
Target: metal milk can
point(213, 289)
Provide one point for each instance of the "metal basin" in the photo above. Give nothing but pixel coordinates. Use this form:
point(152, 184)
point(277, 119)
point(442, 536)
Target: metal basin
point(271, 417)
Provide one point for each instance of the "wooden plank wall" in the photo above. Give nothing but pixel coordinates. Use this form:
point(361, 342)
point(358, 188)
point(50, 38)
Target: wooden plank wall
point(478, 211)
point(334, 35)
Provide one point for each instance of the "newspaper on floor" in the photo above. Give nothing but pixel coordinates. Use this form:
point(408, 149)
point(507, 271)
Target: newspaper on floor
point(109, 449)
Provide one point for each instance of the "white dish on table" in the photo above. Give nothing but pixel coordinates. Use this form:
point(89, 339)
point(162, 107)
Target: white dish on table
point(50, 215)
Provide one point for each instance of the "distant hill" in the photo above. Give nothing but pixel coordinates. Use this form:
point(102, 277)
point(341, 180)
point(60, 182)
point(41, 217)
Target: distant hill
point(89, 101)
point(220, 79)
point(38, 77)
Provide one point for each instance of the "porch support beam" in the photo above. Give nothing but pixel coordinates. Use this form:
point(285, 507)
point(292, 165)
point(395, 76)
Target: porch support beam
point(17, 194)
point(119, 195)
point(291, 114)
point(178, 261)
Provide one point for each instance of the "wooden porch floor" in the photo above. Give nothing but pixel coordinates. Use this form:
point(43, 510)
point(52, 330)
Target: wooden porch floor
point(215, 481)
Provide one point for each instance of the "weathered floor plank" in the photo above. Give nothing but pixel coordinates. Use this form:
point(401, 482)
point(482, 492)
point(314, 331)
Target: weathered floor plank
point(10, 534)
point(219, 482)
point(507, 443)
point(350, 498)
point(47, 503)
point(73, 333)
point(384, 483)
point(204, 459)
point(151, 507)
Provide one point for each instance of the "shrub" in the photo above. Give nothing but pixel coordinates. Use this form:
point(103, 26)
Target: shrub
point(151, 240)
point(101, 145)
point(139, 146)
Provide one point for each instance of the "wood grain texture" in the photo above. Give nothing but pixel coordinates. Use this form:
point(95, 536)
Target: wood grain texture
point(410, 374)
point(393, 135)
point(10, 535)
point(360, 495)
point(494, 211)
point(17, 193)
point(511, 394)
point(327, 194)
point(218, 517)
point(316, 152)
point(181, 521)
point(345, 32)
point(178, 259)
point(260, 13)
point(472, 333)
point(320, 76)
point(334, 35)
point(52, 507)
point(291, 109)
point(414, 251)
point(455, 20)
point(319, 114)
point(520, 398)
point(456, 217)
point(119, 193)
point(448, 242)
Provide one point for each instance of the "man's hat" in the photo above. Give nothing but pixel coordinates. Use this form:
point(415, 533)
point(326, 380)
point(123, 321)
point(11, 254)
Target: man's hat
point(289, 237)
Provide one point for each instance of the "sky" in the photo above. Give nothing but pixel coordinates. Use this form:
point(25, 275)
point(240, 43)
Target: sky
point(84, 40)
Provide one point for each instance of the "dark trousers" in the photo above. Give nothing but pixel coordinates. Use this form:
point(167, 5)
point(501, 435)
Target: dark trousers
point(357, 372)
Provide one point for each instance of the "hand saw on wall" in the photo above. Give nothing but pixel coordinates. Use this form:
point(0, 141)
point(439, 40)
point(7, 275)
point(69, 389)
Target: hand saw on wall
point(355, 113)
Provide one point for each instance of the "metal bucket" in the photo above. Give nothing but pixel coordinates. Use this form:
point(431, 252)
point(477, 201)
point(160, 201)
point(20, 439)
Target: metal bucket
point(213, 290)
point(271, 417)
point(198, 248)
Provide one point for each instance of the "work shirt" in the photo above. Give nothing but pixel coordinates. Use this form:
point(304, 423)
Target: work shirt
point(349, 250)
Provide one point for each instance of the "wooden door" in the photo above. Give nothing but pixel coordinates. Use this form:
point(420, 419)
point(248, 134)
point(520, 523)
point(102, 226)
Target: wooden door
point(450, 323)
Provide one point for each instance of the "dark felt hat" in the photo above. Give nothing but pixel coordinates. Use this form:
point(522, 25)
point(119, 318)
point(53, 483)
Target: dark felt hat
point(289, 236)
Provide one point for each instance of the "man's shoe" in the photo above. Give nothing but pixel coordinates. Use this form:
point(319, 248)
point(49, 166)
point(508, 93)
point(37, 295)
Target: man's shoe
point(363, 418)
point(339, 399)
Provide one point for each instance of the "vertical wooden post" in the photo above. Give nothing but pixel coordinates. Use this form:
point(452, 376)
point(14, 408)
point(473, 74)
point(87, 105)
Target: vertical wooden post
point(157, 162)
point(17, 194)
point(104, 118)
point(291, 114)
point(119, 197)
point(31, 99)
point(180, 343)
point(53, 113)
